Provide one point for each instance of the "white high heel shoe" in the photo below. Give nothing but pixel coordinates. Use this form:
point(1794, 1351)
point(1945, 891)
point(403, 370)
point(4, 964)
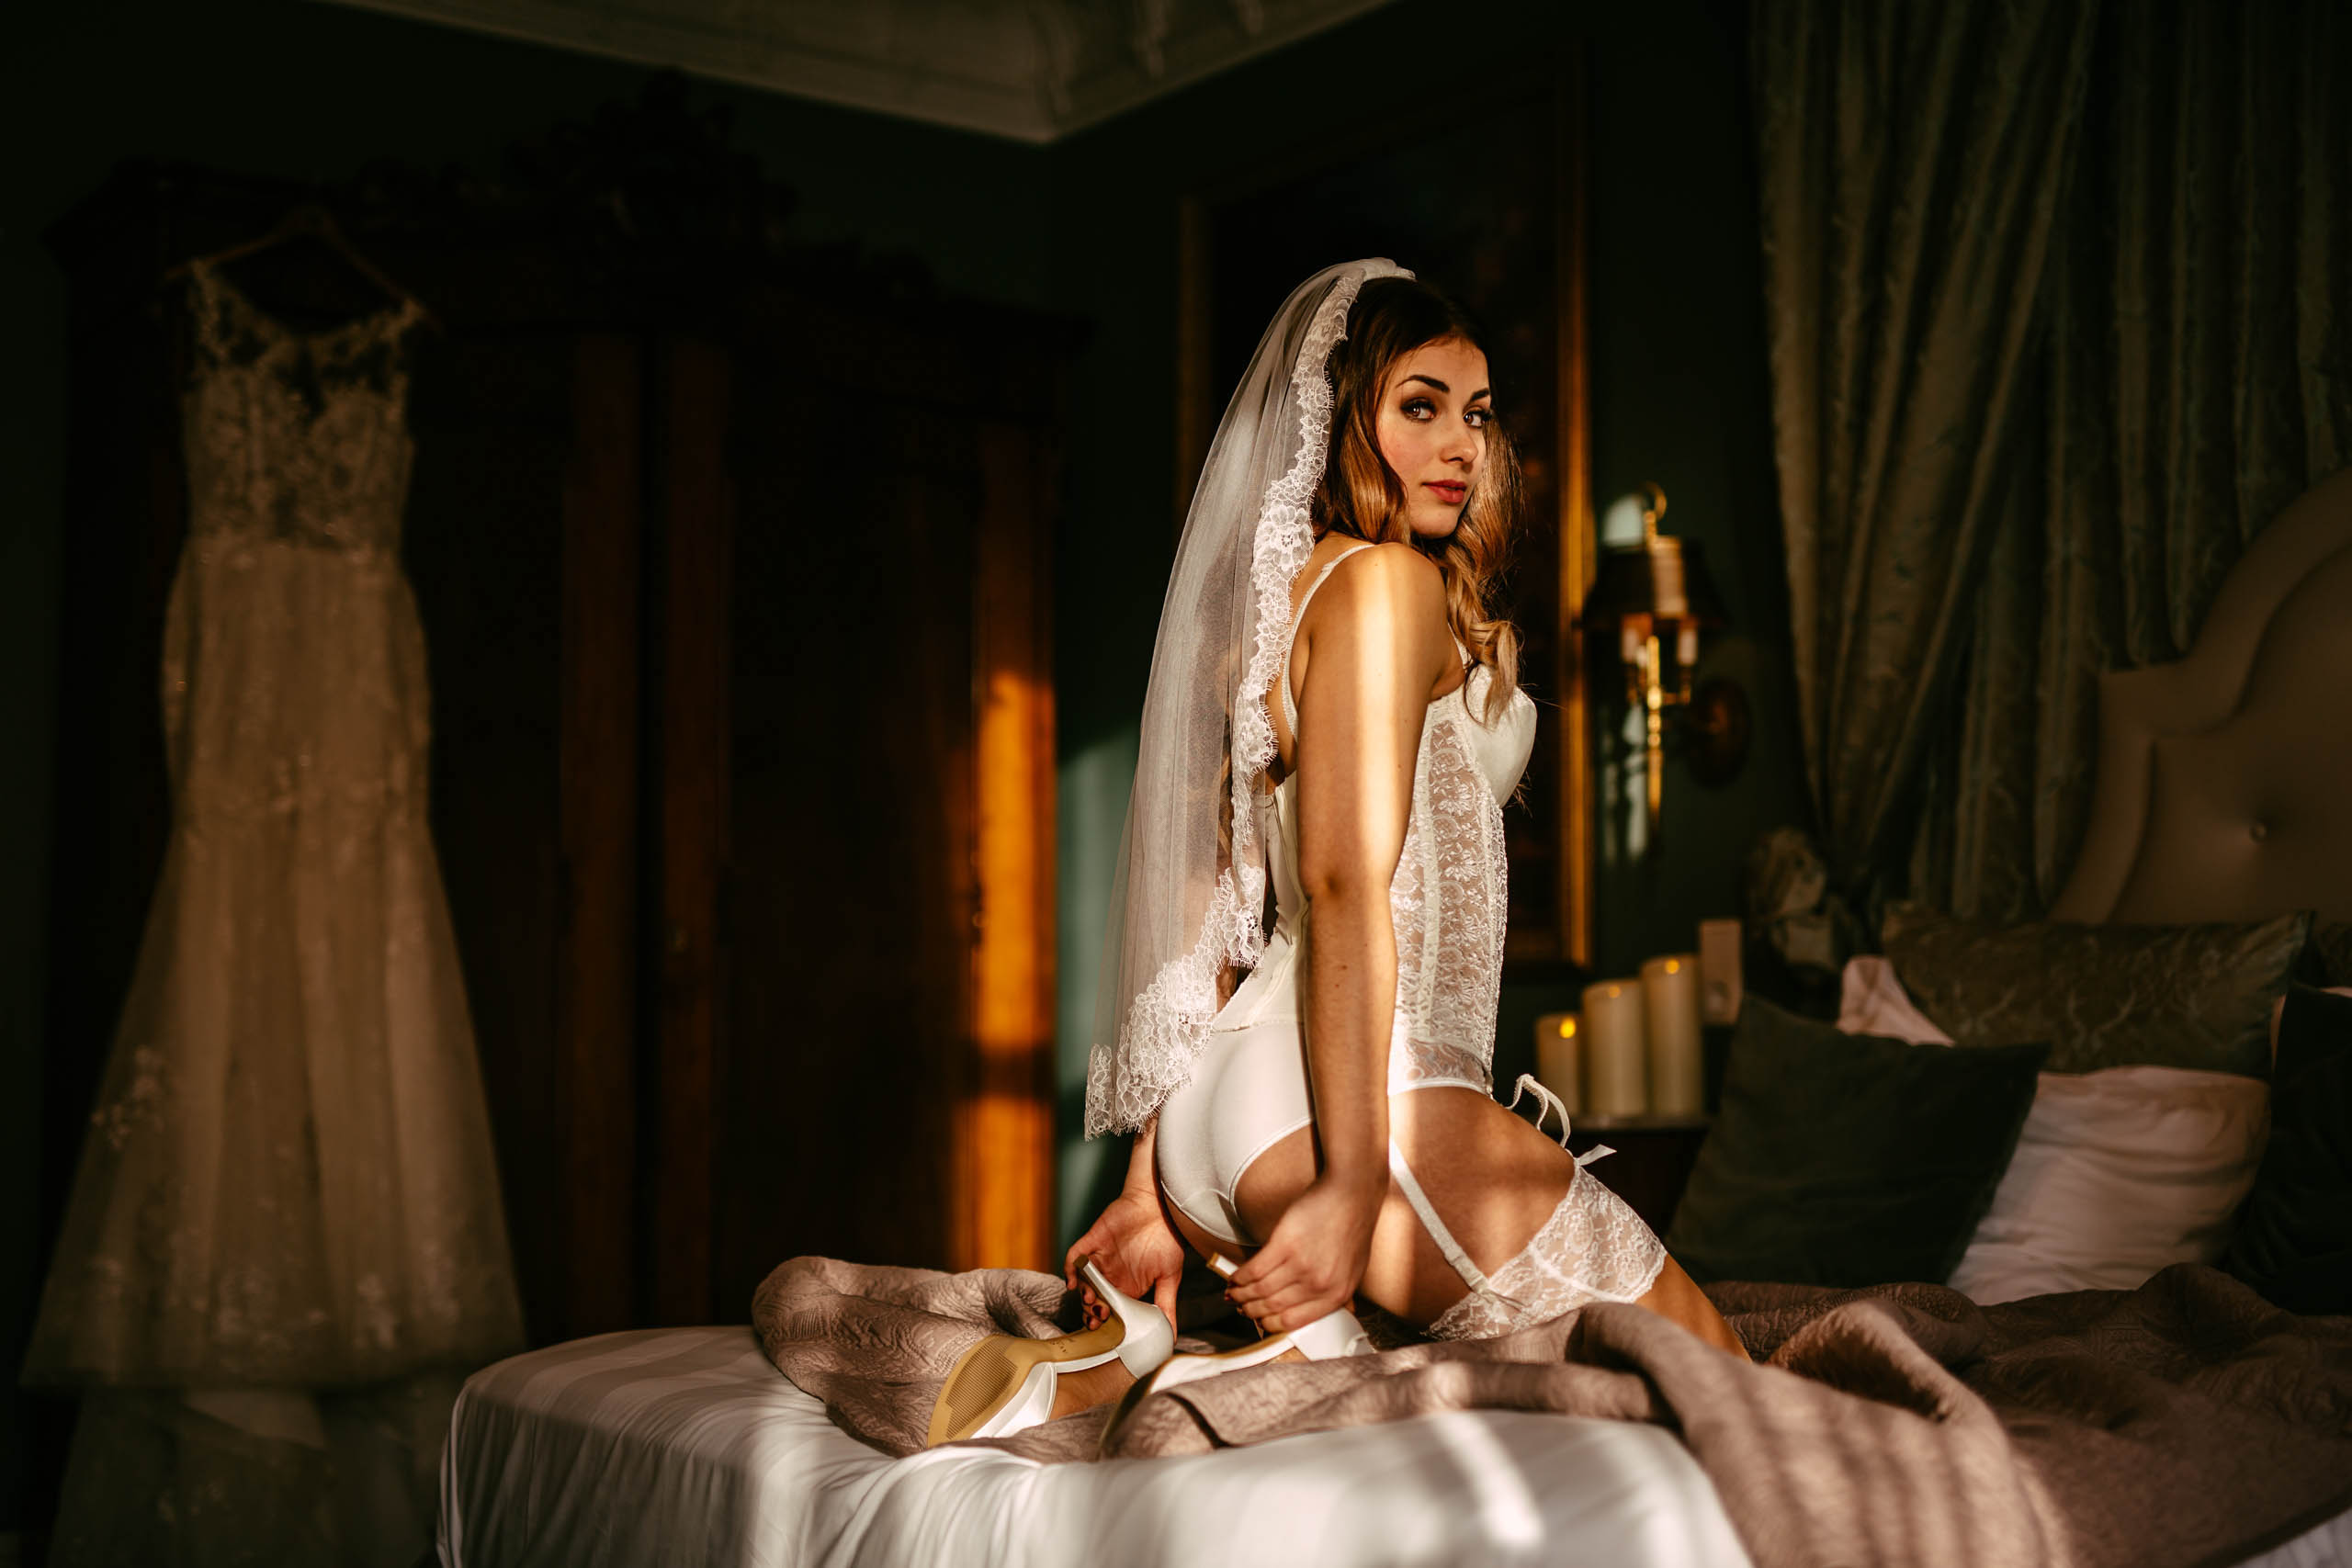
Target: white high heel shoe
point(1005, 1385)
point(1335, 1334)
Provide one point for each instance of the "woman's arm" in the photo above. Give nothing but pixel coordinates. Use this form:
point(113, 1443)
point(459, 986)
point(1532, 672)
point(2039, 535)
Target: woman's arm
point(1138, 1250)
point(1376, 649)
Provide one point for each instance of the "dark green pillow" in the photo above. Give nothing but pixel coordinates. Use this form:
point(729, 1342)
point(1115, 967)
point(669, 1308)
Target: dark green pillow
point(1848, 1159)
point(2196, 996)
point(2294, 1236)
point(2332, 942)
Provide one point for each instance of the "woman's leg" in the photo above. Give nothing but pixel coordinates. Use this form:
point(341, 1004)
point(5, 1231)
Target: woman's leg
point(1493, 1180)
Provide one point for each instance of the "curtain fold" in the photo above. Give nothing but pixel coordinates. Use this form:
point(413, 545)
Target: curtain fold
point(2060, 301)
point(2196, 377)
point(1912, 160)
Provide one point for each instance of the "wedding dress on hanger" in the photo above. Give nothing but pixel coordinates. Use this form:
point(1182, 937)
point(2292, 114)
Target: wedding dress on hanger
point(288, 1188)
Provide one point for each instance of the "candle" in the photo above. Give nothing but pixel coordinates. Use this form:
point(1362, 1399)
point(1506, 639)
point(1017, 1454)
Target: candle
point(1670, 1006)
point(1558, 1050)
point(1614, 1049)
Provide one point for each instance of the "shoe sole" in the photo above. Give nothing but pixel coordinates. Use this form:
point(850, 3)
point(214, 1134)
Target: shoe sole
point(992, 1370)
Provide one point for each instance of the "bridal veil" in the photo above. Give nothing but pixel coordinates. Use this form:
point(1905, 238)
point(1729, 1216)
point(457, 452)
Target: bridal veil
point(1191, 879)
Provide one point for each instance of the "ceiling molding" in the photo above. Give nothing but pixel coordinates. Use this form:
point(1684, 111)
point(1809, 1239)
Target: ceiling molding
point(1028, 70)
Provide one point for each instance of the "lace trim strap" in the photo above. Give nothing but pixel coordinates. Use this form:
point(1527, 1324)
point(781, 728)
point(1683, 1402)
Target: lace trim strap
point(1282, 676)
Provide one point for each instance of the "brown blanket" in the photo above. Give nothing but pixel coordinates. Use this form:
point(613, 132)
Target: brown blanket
point(2187, 1423)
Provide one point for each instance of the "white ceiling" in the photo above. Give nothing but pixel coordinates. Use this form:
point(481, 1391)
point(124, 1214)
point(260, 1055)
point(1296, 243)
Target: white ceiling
point(1032, 70)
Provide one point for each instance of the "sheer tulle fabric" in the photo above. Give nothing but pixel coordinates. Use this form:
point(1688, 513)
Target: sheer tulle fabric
point(1191, 881)
point(289, 1179)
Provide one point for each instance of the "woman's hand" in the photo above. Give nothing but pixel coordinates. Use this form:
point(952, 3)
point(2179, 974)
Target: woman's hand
point(1138, 1250)
point(1314, 1261)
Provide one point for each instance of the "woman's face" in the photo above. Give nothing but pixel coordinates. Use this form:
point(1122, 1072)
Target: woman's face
point(1433, 417)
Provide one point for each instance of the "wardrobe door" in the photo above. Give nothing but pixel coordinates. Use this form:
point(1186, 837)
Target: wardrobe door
point(852, 892)
point(690, 721)
point(523, 542)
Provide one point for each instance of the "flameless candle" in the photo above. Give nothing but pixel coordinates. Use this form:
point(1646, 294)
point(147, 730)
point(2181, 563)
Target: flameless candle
point(1671, 1007)
point(1559, 1047)
point(1614, 1052)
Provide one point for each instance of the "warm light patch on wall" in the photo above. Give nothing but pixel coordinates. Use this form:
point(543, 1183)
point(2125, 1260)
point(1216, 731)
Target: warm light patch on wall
point(1004, 1118)
point(1005, 1170)
point(1010, 1014)
point(1005, 1127)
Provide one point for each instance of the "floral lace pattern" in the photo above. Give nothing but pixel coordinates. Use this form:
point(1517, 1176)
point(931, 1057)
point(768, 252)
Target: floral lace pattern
point(1592, 1249)
point(1448, 902)
point(286, 436)
point(288, 1177)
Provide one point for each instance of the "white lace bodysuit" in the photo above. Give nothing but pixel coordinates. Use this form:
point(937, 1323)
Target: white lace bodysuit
point(1447, 901)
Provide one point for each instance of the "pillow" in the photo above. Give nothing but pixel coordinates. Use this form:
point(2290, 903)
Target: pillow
point(2117, 1174)
point(2294, 1241)
point(2192, 997)
point(2332, 942)
point(1872, 1001)
point(1846, 1159)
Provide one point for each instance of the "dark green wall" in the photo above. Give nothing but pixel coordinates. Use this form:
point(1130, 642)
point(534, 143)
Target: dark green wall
point(1679, 395)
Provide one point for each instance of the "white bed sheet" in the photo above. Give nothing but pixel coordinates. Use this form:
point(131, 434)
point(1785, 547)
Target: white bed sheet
point(685, 1446)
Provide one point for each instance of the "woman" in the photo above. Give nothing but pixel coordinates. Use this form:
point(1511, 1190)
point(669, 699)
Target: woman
point(1324, 655)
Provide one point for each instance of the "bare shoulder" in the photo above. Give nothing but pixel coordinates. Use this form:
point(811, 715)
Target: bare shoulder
point(1393, 583)
point(1389, 597)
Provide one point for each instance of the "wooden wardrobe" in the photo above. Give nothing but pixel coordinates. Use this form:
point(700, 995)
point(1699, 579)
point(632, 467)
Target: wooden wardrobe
point(732, 560)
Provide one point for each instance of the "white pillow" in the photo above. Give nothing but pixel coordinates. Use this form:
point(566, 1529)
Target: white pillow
point(2117, 1173)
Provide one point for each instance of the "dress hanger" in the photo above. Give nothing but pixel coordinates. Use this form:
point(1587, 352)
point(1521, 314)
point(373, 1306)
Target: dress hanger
point(315, 223)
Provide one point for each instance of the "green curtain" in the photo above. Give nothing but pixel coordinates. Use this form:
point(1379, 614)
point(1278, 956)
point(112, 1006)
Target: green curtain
point(1911, 164)
point(2196, 378)
point(2060, 299)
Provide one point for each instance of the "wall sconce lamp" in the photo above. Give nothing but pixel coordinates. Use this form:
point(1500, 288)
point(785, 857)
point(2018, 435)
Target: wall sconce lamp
point(1648, 604)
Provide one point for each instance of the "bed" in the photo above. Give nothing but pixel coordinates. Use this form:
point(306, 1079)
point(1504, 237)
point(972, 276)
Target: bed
point(687, 1445)
point(684, 1445)
point(2218, 798)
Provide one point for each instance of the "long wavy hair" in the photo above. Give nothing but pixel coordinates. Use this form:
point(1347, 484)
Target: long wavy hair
point(1359, 494)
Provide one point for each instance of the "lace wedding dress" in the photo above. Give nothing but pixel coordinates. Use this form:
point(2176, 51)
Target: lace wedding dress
point(288, 1182)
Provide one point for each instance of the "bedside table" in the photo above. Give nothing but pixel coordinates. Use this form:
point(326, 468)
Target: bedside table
point(1653, 1161)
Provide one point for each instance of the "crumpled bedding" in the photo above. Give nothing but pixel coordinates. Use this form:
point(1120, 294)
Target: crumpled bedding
point(2183, 1423)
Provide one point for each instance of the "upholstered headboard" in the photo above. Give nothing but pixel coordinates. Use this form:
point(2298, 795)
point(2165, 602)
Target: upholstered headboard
point(2225, 782)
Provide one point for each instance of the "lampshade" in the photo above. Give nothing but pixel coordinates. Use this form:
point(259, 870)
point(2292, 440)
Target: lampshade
point(1664, 577)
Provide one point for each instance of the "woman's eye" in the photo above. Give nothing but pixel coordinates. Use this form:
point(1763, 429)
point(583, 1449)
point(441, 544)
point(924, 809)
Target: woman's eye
point(1480, 418)
point(1419, 408)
